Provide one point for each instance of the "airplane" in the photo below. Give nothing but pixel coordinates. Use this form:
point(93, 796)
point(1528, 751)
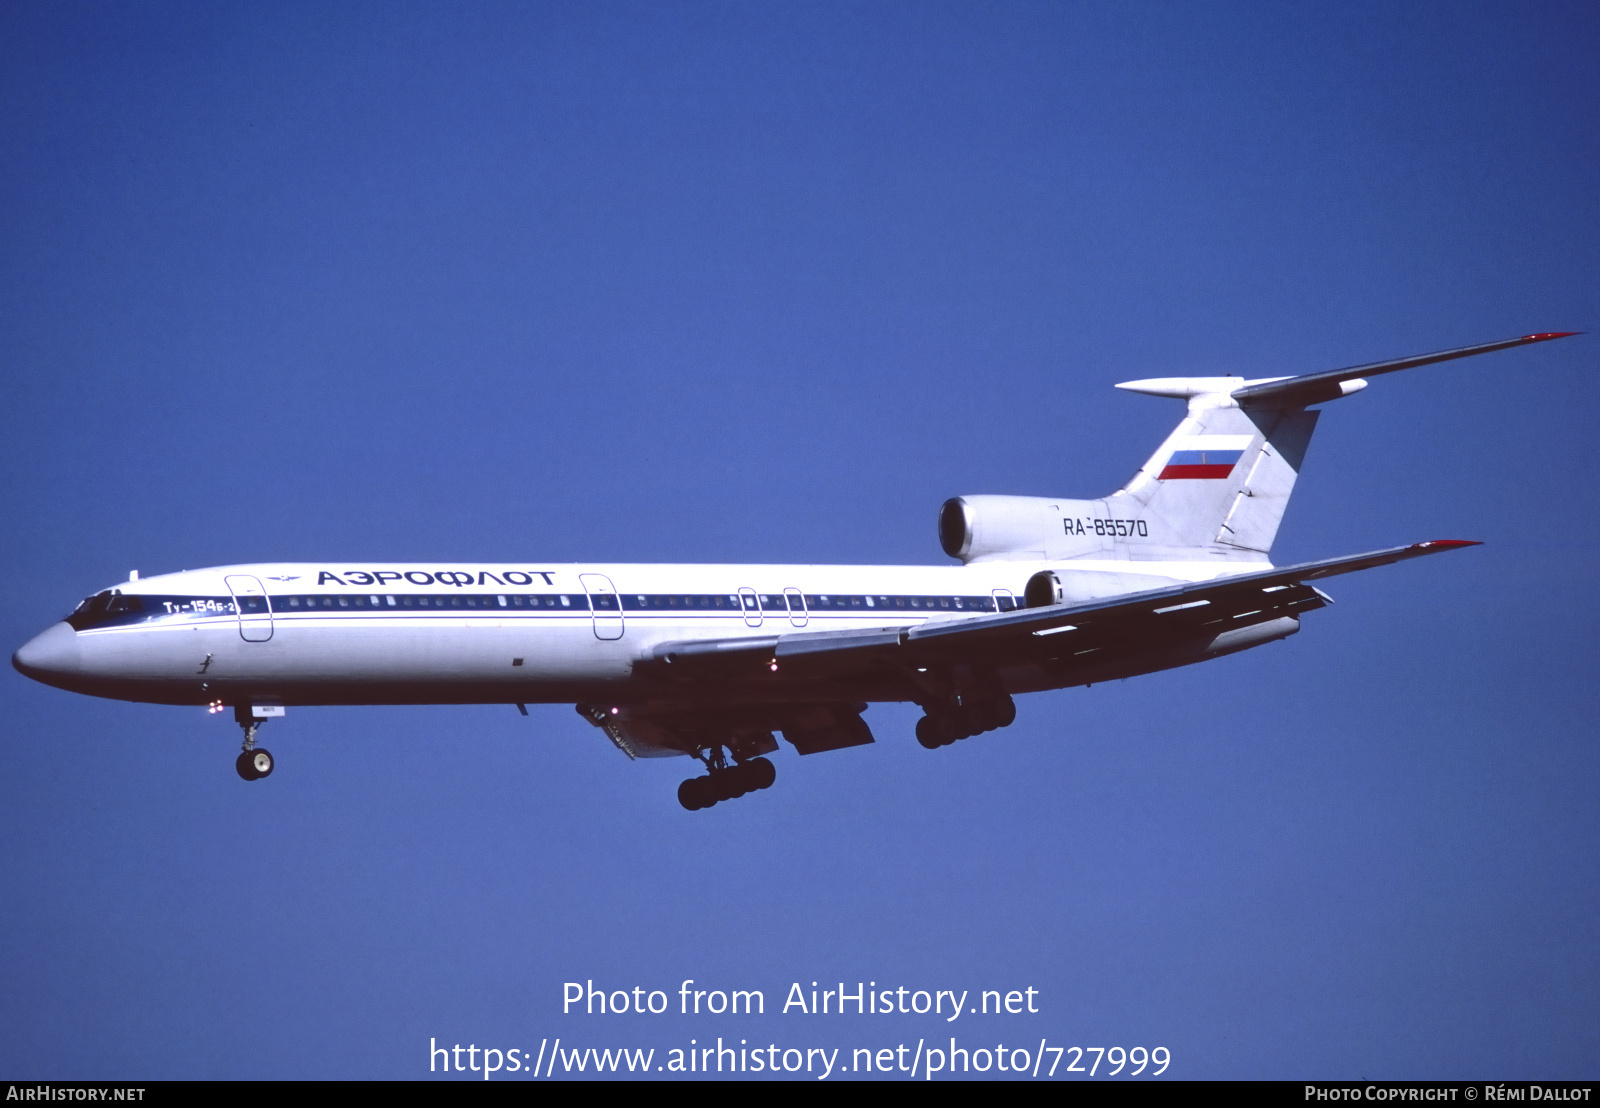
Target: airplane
point(710, 661)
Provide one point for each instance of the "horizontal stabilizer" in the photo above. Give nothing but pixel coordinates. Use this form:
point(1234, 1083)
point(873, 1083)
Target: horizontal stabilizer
point(1314, 388)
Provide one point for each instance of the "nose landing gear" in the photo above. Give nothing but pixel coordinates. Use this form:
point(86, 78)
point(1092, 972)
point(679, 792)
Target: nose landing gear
point(254, 762)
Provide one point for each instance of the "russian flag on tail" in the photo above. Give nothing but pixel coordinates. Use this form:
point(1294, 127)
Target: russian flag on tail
point(1200, 464)
point(1204, 457)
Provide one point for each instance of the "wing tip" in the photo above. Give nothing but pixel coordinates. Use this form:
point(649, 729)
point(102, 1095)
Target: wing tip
point(1545, 336)
point(1444, 544)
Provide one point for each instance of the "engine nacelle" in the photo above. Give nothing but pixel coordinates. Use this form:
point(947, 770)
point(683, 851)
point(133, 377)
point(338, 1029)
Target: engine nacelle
point(1076, 586)
point(1011, 527)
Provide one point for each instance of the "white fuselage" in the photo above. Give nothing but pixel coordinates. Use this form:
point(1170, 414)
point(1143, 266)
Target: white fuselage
point(342, 633)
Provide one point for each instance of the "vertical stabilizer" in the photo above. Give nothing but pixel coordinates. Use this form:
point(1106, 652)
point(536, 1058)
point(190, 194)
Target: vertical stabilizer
point(1218, 486)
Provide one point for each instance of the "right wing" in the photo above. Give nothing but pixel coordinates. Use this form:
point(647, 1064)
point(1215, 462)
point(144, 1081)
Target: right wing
point(1154, 618)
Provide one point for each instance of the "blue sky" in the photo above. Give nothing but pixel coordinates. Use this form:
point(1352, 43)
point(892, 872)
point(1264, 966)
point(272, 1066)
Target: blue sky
point(761, 283)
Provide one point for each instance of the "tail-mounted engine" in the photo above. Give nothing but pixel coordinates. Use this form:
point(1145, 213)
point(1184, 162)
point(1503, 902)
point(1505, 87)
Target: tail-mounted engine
point(1077, 586)
point(1035, 528)
point(1020, 527)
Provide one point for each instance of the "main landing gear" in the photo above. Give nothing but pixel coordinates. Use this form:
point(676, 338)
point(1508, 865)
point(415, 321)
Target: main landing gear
point(253, 762)
point(946, 723)
point(725, 782)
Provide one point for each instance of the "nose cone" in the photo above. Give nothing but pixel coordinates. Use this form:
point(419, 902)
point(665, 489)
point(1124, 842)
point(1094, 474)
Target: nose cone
point(49, 657)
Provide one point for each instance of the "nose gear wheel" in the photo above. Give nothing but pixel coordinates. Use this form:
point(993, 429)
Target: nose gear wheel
point(254, 762)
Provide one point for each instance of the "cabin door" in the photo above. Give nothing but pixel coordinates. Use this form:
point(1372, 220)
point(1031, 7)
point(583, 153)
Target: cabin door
point(250, 602)
point(604, 604)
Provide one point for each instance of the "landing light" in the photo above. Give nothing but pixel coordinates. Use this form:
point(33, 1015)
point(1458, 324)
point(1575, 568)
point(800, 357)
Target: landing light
point(214, 707)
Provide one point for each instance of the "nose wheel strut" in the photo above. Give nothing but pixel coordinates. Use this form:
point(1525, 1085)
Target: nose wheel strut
point(254, 762)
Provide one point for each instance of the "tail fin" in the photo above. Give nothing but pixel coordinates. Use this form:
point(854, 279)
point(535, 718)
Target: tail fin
point(1218, 486)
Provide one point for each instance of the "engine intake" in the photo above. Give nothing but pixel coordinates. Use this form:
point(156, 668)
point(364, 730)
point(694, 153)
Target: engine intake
point(1042, 590)
point(974, 527)
point(1079, 586)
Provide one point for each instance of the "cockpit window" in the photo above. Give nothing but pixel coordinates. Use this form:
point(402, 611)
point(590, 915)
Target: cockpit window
point(95, 603)
point(103, 607)
point(91, 611)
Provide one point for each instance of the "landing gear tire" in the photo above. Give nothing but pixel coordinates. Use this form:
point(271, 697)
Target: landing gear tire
point(949, 729)
point(972, 720)
point(254, 764)
point(941, 730)
point(762, 773)
point(726, 783)
point(697, 793)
